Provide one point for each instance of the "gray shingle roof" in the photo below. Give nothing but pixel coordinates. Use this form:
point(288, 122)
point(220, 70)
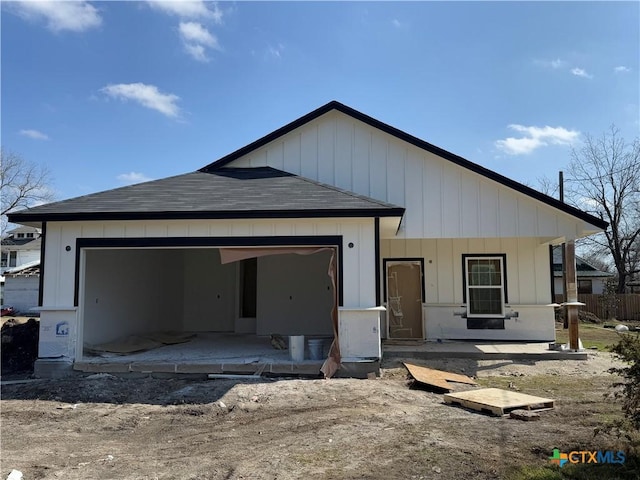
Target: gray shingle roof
point(583, 268)
point(224, 193)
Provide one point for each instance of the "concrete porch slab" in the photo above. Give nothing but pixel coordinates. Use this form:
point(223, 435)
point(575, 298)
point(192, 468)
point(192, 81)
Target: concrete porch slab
point(484, 350)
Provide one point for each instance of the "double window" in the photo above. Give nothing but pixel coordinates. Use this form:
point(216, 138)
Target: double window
point(485, 288)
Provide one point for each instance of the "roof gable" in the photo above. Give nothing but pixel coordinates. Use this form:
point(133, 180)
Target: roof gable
point(421, 144)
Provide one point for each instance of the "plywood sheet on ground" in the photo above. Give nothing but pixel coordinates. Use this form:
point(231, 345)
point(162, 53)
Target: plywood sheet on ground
point(170, 338)
point(133, 343)
point(436, 378)
point(139, 343)
point(497, 401)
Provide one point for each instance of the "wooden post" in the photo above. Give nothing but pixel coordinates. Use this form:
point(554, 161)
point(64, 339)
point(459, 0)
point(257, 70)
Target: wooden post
point(572, 294)
point(564, 258)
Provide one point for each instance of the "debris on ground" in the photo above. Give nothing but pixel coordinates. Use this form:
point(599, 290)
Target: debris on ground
point(15, 475)
point(525, 415)
point(497, 401)
point(436, 378)
point(19, 345)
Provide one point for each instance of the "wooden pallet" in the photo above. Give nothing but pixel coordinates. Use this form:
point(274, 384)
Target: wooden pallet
point(497, 401)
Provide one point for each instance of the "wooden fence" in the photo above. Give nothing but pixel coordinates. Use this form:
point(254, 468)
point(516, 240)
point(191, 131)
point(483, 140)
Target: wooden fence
point(624, 306)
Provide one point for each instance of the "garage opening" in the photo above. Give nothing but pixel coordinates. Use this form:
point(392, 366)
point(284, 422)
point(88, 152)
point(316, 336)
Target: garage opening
point(200, 308)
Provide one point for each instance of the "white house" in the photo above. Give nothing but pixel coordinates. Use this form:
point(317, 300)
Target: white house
point(22, 287)
point(20, 247)
point(315, 229)
point(590, 279)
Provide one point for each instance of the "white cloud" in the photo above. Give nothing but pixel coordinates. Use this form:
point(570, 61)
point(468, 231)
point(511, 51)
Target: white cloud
point(189, 9)
point(274, 52)
point(196, 51)
point(35, 134)
point(146, 95)
point(579, 72)
point(195, 37)
point(133, 177)
point(397, 23)
point(621, 69)
point(555, 64)
point(193, 32)
point(76, 16)
point(536, 137)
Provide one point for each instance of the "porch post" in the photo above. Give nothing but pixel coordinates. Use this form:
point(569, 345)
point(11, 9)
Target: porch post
point(572, 293)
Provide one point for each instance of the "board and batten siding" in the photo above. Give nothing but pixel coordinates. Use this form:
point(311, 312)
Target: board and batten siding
point(442, 199)
point(357, 263)
point(528, 285)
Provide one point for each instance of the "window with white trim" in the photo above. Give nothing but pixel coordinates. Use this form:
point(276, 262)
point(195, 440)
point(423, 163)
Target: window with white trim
point(485, 290)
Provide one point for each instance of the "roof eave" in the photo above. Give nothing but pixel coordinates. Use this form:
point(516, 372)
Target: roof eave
point(27, 218)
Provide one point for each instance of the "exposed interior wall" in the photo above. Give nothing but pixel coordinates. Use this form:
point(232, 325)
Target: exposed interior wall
point(131, 291)
point(295, 295)
point(209, 297)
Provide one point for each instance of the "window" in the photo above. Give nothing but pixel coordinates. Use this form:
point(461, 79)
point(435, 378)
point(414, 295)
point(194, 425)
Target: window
point(485, 285)
point(4, 259)
point(20, 235)
point(585, 286)
point(30, 235)
point(13, 257)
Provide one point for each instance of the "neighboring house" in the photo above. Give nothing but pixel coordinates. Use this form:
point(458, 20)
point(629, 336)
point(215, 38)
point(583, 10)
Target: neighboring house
point(21, 287)
point(451, 249)
point(590, 279)
point(19, 247)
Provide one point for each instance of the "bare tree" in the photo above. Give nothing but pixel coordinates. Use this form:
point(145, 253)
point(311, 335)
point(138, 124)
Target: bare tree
point(604, 180)
point(22, 184)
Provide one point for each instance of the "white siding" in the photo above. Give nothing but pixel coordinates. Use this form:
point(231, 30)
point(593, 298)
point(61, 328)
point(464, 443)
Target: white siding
point(528, 285)
point(442, 199)
point(134, 272)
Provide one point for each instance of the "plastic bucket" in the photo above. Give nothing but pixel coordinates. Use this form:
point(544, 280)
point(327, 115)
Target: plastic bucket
point(296, 348)
point(316, 347)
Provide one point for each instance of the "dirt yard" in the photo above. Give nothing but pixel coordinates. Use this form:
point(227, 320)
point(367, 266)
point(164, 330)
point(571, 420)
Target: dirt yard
point(106, 427)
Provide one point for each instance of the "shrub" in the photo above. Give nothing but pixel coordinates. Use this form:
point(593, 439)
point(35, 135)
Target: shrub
point(628, 350)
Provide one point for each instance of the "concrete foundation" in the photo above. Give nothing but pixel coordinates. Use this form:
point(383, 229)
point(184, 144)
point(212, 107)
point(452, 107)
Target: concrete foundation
point(53, 368)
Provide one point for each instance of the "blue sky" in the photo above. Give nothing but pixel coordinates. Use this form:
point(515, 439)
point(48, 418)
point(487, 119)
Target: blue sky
point(109, 93)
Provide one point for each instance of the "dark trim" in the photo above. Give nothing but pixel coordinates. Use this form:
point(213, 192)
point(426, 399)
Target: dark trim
point(404, 259)
point(376, 248)
point(480, 255)
point(43, 241)
point(76, 280)
point(209, 215)
point(334, 105)
point(485, 323)
point(158, 242)
point(553, 282)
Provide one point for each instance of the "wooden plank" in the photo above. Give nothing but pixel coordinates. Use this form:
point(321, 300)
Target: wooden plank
point(437, 378)
point(497, 401)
